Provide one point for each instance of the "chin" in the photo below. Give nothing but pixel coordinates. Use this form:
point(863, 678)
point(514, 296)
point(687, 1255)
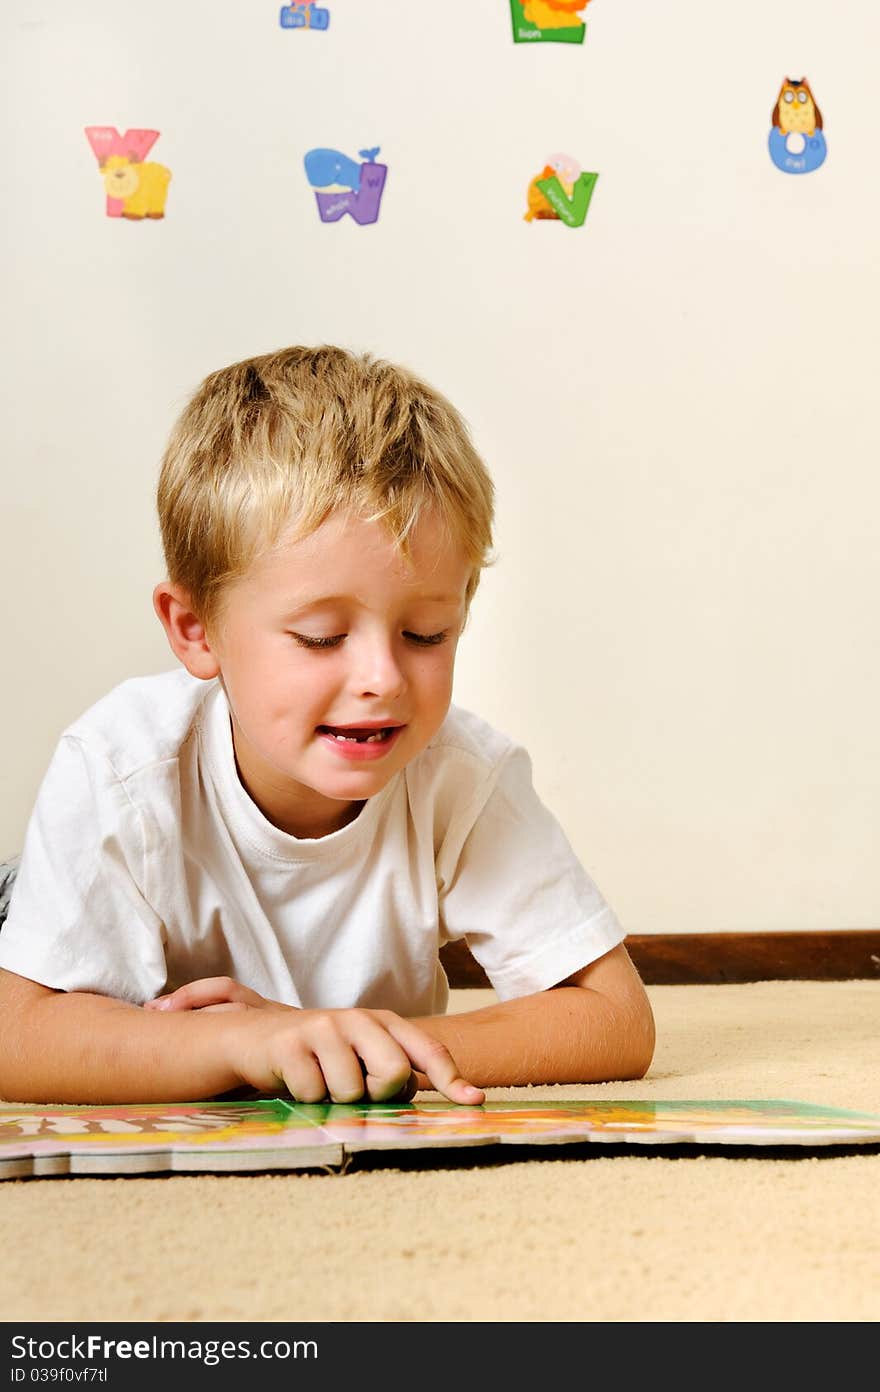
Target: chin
point(356, 784)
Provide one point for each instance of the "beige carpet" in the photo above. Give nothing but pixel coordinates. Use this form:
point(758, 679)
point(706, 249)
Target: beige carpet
point(637, 1238)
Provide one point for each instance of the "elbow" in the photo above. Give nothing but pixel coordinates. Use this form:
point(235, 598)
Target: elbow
point(620, 1050)
point(629, 1044)
point(637, 1065)
point(640, 1038)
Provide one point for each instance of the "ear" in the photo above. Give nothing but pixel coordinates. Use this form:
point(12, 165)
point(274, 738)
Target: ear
point(185, 631)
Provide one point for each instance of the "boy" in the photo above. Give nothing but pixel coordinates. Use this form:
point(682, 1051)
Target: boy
point(237, 875)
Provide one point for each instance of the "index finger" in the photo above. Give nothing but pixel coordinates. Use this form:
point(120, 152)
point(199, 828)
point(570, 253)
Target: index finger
point(434, 1060)
point(206, 992)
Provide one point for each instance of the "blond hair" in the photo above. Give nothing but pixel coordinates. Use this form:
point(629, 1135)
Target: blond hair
point(284, 439)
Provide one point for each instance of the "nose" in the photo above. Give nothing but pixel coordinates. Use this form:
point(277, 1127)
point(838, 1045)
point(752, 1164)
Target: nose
point(378, 671)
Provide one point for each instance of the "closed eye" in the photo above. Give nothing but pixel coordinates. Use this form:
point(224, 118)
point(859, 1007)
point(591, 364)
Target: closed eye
point(422, 640)
point(306, 642)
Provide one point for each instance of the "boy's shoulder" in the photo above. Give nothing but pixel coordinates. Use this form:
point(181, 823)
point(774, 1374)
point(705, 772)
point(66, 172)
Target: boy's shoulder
point(459, 770)
point(472, 739)
point(143, 720)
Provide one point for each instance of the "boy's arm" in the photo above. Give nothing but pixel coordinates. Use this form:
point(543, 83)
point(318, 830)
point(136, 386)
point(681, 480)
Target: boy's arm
point(595, 1026)
point(58, 1046)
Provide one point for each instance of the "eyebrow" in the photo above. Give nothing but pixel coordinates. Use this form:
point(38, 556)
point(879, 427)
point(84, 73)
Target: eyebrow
point(324, 601)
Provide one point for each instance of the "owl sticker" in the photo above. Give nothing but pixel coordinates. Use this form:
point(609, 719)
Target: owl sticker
point(797, 141)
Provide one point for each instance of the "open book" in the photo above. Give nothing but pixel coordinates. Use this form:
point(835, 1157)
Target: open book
point(274, 1134)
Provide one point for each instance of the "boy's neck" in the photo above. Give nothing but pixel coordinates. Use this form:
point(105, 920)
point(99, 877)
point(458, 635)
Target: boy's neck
point(306, 824)
point(311, 828)
point(313, 818)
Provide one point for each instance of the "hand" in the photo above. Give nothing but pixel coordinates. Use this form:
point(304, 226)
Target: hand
point(212, 993)
point(342, 1054)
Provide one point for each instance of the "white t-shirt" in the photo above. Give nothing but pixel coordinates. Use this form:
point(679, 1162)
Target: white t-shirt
point(147, 865)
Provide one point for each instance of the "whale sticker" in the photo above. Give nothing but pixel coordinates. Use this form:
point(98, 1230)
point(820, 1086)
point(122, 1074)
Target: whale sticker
point(548, 21)
point(136, 187)
point(304, 17)
point(561, 192)
point(343, 185)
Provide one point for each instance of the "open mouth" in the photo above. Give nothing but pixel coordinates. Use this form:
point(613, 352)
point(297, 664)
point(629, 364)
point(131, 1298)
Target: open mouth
point(353, 735)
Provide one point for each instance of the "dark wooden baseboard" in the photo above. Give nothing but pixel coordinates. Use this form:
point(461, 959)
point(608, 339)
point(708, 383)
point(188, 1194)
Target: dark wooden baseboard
point(671, 959)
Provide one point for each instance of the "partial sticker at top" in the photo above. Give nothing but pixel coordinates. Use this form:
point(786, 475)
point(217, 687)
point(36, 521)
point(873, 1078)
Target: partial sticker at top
point(797, 141)
point(304, 17)
point(548, 21)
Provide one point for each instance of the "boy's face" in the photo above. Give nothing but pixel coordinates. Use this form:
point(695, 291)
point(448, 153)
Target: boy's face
point(336, 635)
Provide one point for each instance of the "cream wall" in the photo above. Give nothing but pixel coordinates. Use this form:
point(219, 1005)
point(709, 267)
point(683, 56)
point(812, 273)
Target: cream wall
point(677, 401)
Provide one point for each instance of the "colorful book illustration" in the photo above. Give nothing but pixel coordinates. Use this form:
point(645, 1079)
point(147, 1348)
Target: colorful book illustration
point(274, 1134)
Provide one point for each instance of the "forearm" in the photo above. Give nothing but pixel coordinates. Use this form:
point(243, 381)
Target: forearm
point(569, 1034)
point(78, 1047)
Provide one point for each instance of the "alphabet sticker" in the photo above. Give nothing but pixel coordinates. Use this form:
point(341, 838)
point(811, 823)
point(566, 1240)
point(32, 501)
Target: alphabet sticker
point(797, 142)
point(300, 16)
point(343, 186)
point(135, 189)
point(560, 192)
point(548, 21)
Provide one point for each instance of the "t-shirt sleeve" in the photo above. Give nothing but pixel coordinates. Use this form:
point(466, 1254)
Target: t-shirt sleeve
point(530, 913)
point(78, 917)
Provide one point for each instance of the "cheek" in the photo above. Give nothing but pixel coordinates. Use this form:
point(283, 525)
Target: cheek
point(435, 678)
point(306, 680)
point(284, 680)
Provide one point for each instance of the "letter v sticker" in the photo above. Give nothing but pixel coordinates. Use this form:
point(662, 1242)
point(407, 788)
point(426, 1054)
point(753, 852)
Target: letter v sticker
point(561, 192)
